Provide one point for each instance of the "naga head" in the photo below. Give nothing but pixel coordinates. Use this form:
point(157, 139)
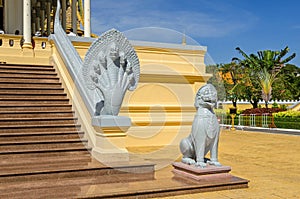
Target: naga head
point(111, 66)
point(114, 52)
point(206, 97)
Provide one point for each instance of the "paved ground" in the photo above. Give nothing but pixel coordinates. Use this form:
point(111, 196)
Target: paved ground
point(270, 161)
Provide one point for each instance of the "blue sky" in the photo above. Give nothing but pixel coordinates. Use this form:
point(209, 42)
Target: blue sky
point(221, 25)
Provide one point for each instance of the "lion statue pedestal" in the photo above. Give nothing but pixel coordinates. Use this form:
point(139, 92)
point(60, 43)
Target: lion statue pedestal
point(203, 138)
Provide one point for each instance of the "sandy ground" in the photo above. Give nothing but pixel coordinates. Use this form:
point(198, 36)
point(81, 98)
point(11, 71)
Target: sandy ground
point(270, 161)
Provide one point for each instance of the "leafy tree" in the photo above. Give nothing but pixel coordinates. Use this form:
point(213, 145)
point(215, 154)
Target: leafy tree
point(286, 86)
point(251, 91)
point(265, 65)
point(231, 75)
point(227, 80)
point(216, 80)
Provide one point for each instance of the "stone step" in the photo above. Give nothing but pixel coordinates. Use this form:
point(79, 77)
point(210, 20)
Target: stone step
point(39, 128)
point(27, 67)
point(41, 98)
point(23, 139)
point(28, 90)
point(28, 101)
point(8, 159)
point(25, 81)
point(29, 84)
point(36, 114)
point(29, 75)
point(86, 170)
point(41, 145)
point(36, 121)
point(35, 107)
point(29, 165)
point(29, 95)
point(44, 133)
point(76, 145)
point(22, 69)
point(45, 167)
point(63, 191)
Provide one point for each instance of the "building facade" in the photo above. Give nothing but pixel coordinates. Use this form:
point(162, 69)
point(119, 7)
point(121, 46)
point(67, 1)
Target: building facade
point(161, 108)
point(36, 17)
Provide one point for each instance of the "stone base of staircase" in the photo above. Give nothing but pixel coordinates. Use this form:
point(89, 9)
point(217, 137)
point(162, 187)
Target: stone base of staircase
point(57, 181)
point(165, 184)
point(127, 181)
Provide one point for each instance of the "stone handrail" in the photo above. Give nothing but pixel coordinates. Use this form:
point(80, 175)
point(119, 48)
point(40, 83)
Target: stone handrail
point(71, 59)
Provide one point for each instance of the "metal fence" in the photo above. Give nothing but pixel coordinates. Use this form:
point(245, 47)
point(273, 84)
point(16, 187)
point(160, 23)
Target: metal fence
point(252, 120)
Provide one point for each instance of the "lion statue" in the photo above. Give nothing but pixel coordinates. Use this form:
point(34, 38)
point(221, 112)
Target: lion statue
point(204, 137)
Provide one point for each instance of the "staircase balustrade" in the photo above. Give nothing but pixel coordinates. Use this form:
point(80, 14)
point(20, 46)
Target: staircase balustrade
point(71, 59)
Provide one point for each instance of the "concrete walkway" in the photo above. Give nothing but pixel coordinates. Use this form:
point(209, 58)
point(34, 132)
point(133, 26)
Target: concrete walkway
point(270, 161)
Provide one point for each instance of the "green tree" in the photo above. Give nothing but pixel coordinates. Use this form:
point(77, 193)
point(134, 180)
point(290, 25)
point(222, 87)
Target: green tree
point(266, 61)
point(250, 66)
point(216, 80)
point(266, 80)
point(287, 83)
point(228, 80)
point(231, 75)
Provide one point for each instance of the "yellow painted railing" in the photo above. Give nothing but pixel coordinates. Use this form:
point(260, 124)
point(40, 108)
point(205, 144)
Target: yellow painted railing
point(11, 50)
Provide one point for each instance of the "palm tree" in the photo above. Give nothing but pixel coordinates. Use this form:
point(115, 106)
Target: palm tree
point(266, 80)
point(266, 65)
point(272, 60)
point(250, 66)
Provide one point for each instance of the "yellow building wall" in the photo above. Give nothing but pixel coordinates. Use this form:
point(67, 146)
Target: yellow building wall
point(162, 106)
point(227, 106)
point(296, 108)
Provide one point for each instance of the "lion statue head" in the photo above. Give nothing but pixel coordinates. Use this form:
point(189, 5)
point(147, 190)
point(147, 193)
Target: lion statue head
point(206, 97)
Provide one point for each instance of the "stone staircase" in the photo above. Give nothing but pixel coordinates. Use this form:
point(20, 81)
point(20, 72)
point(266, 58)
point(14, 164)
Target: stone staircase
point(43, 152)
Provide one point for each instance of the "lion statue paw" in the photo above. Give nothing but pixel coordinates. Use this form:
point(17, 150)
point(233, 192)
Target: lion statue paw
point(215, 163)
point(189, 161)
point(200, 164)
